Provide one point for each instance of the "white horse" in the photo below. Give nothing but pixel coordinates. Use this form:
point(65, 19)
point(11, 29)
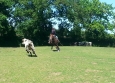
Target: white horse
point(29, 46)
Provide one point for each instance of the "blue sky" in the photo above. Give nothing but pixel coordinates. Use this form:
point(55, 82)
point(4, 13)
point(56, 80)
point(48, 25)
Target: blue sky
point(109, 2)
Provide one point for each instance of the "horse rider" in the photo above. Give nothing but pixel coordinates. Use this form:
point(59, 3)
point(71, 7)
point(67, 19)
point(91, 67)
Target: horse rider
point(53, 33)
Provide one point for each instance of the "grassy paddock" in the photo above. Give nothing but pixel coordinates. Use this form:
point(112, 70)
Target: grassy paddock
point(70, 65)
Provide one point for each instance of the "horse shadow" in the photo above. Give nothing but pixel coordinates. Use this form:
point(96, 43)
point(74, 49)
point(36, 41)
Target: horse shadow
point(55, 50)
point(31, 55)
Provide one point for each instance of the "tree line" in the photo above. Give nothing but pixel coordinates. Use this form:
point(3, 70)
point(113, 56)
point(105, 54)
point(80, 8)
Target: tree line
point(79, 20)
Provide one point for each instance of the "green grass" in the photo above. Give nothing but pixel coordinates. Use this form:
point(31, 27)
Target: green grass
point(70, 65)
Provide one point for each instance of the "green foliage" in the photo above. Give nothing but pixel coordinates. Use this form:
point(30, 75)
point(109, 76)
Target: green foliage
point(94, 17)
point(90, 19)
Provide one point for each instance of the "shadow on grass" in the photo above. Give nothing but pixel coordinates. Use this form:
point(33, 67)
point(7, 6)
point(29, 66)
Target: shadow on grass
point(32, 56)
point(55, 50)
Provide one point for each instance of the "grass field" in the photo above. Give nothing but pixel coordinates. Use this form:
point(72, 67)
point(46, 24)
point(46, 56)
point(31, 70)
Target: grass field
point(70, 65)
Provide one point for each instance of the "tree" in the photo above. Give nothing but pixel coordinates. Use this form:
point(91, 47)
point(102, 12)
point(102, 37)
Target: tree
point(80, 20)
point(33, 22)
point(7, 33)
point(93, 17)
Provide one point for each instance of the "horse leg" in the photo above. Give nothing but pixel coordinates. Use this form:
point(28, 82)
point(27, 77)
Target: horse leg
point(29, 52)
point(57, 47)
point(26, 47)
point(34, 52)
point(51, 47)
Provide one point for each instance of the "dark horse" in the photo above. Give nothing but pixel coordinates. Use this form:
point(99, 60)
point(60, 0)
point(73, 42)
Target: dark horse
point(54, 42)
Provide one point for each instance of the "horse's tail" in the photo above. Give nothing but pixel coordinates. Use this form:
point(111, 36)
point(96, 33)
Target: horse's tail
point(60, 43)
